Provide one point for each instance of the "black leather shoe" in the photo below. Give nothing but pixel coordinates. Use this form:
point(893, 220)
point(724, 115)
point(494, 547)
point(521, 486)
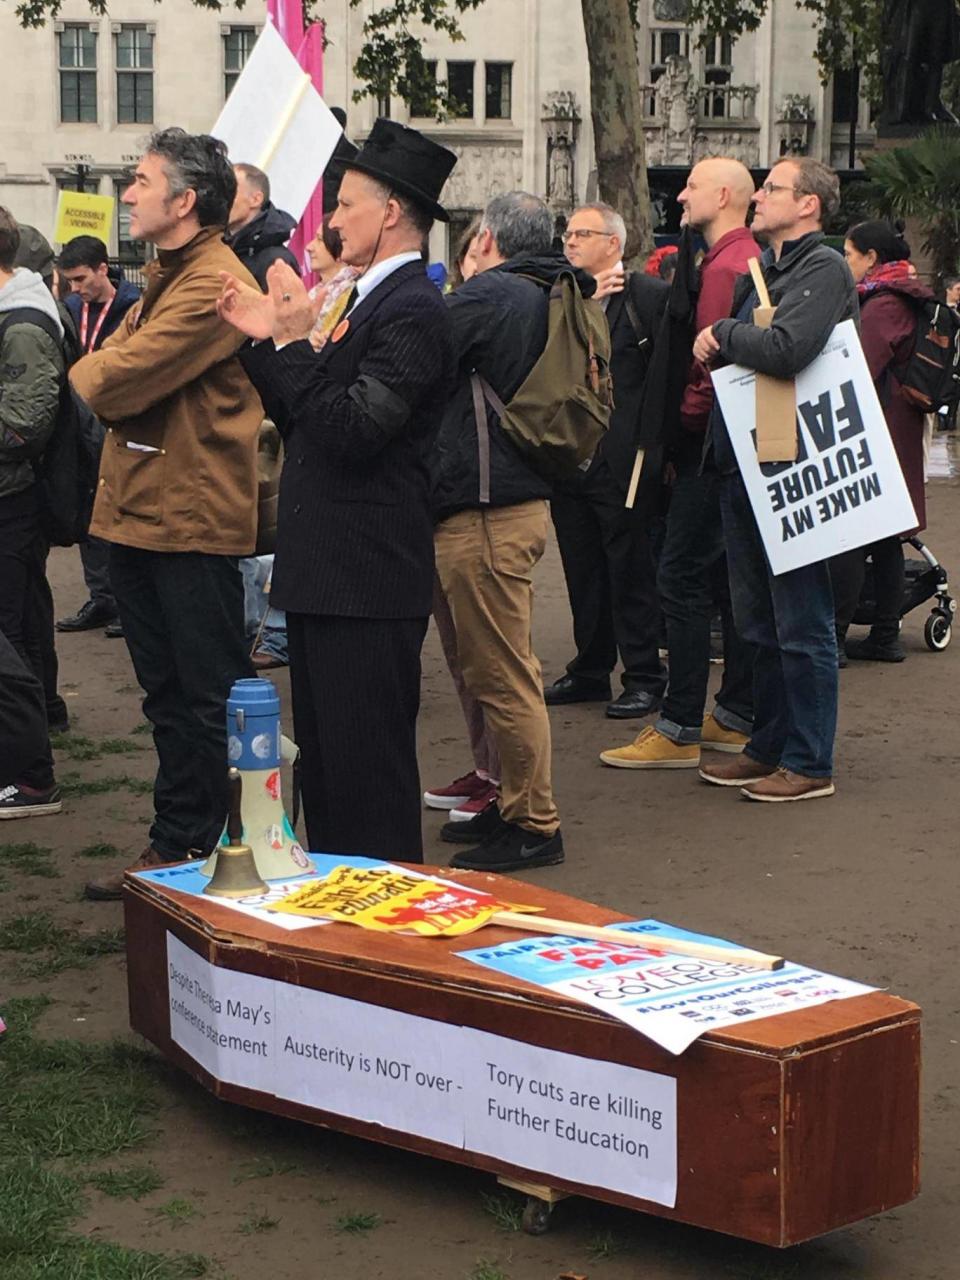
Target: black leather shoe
point(88, 617)
point(634, 703)
point(575, 689)
point(114, 631)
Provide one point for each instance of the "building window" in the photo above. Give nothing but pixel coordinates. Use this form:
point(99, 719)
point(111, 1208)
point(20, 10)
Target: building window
point(460, 89)
point(238, 44)
point(77, 55)
point(134, 51)
point(422, 87)
point(666, 44)
point(499, 84)
point(717, 69)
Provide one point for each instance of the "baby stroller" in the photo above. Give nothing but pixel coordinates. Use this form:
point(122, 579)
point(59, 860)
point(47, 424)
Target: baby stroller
point(926, 579)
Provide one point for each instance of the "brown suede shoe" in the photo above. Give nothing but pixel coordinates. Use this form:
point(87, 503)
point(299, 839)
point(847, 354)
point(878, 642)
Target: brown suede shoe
point(109, 888)
point(734, 770)
point(785, 785)
point(263, 661)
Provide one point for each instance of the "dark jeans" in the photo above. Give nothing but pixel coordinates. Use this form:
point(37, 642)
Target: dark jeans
point(692, 579)
point(26, 603)
point(789, 618)
point(847, 571)
point(611, 581)
point(182, 616)
point(24, 742)
point(95, 557)
point(356, 693)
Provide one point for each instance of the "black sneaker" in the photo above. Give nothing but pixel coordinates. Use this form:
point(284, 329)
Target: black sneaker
point(479, 828)
point(23, 802)
point(512, 848)
point(869, 649)
point(93, 614)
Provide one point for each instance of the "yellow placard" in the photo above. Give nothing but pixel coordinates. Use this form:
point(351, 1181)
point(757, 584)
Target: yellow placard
point(79, 214)
point(387, 899)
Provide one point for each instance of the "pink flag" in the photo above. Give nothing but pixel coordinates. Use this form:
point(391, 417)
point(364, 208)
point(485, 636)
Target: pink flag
point(287, 17)
point(310, 56)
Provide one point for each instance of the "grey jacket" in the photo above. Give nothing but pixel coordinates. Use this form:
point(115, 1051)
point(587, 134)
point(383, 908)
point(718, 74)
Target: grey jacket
point(811, 286)
point(31, 374)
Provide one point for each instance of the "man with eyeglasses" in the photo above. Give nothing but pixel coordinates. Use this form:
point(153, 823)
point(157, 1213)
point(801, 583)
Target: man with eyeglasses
point(788, 616)
point(607, 558)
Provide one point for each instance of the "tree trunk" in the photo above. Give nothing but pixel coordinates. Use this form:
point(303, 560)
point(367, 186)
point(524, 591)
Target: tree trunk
point(617, 114)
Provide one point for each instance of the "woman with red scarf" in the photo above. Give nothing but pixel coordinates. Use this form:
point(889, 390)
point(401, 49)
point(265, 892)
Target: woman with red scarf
point(889, 293)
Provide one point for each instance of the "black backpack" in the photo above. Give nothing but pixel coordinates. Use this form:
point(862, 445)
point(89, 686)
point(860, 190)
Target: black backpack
point(930, 379)
point(67, 470)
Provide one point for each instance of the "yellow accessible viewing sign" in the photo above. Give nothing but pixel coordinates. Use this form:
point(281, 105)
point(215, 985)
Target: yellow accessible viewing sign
point(79, 214)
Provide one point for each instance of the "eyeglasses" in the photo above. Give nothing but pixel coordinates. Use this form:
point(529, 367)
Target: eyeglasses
point(769, 188)
point(581, 234)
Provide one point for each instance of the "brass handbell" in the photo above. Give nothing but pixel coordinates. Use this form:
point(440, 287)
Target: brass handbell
point(236, 874)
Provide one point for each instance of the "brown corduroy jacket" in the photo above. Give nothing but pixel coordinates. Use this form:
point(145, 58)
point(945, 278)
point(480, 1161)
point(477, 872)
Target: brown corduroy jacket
point(179, 465)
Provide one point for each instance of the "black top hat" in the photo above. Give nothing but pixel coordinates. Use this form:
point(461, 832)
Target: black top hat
point(407, 162)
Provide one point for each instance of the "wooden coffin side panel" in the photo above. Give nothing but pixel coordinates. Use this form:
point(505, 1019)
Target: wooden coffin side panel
point(852, 1130)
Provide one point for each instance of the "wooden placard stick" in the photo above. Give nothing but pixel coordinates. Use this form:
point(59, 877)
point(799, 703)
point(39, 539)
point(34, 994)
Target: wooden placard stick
point(635, 479)
point(776, 411)
point(300, 88)
point(659, 941)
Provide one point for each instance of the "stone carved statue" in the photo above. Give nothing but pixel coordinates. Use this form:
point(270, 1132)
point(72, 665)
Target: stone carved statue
point(677, 101)
point(560, 174)
point(922, 36)
point(561, 121)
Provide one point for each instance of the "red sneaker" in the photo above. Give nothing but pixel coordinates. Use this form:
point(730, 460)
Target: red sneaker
point(479, 803)
point(457, 792)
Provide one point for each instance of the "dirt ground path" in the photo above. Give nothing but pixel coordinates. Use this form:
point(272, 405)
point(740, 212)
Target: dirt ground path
point(864, 885)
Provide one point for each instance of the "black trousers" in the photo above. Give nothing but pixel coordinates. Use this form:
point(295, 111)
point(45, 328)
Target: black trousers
point(24, 742)
point(611, 581)
point(95, 558)
point(182, 616)
point(847, 573)
point(356, 694)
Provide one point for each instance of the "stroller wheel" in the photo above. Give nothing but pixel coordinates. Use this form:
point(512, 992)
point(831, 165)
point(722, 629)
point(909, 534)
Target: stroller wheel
point(937, 631)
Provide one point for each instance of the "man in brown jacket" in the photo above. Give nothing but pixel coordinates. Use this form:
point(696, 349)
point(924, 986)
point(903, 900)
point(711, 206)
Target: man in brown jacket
point(177, 494)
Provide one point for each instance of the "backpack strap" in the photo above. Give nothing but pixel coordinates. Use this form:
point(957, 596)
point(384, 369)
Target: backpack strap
point(484, 394)
point(34, 316)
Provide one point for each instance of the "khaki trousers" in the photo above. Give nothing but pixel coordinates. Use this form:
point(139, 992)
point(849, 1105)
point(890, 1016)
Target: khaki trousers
point(484, 561)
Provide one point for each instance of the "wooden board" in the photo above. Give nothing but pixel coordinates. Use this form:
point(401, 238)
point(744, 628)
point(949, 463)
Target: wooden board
point(788, 1127)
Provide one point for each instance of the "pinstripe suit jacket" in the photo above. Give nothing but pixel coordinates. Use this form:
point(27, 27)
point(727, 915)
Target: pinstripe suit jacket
point(354, 531)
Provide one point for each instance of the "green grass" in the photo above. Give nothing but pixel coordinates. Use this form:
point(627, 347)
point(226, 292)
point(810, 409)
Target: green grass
point(263, 1167)
point(257, 1223)
point(605, 1245)
point(485, 1270)
point(144, 727)
point(72, 1103)
point(28, 859)
point(127, 1184)
point(505, 1209)
point(99, 851)
point(177, 1210)
point(77, 747)
point(71, 784)
point(51, 948)
point(355, 1224)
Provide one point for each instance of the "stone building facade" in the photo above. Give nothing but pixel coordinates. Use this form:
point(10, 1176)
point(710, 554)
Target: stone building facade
point(78, 96)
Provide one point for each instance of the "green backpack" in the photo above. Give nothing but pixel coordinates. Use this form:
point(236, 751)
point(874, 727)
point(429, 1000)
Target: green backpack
point(561, 411)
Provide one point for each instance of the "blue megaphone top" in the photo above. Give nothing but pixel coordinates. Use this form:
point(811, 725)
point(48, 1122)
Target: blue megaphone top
point(253, 725)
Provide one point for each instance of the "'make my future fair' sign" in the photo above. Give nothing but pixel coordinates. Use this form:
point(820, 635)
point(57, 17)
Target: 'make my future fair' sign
point(846, 488)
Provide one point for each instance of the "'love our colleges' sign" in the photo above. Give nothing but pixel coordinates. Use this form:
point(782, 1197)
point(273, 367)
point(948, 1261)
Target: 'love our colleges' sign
point(846, 488)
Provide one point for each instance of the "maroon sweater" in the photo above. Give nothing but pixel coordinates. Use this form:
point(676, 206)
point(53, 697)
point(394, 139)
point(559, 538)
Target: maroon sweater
point(719, 270)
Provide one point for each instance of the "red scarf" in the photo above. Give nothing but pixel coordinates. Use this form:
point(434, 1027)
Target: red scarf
point(884, 272)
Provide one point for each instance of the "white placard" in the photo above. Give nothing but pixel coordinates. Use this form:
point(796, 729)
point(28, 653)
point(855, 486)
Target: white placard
point(591, 1122)
point(373, 1064)
point(846, 488)
point(224, 1020)
point(276, 120)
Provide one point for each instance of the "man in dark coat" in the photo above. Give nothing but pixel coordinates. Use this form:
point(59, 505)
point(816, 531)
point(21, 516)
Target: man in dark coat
point(354, 559)
point(258, 231)
point(97, 305)
point(607, 557)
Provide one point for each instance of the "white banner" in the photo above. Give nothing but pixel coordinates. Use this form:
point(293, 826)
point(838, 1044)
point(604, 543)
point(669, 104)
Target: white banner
point(846, 488)
point(596, 1123)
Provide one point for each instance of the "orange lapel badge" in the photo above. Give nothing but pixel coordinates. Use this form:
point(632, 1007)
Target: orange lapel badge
point(340, 330)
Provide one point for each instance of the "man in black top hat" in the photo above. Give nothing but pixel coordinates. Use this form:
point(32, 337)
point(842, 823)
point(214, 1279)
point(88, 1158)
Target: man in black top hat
point(354, 559)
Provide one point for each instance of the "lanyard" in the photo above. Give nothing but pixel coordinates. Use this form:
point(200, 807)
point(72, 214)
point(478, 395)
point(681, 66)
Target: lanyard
point(86, 347)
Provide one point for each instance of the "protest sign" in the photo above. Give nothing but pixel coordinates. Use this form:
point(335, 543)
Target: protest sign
point(673, 999)
point(79, 214)
point(846, 488)
point(276, 120)
point(387, 898)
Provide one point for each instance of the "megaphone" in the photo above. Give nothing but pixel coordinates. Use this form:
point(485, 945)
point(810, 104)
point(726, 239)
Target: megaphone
point(255, 747)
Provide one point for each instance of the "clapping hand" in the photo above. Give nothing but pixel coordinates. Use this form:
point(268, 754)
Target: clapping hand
point(245, 307)
point(285, 312)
